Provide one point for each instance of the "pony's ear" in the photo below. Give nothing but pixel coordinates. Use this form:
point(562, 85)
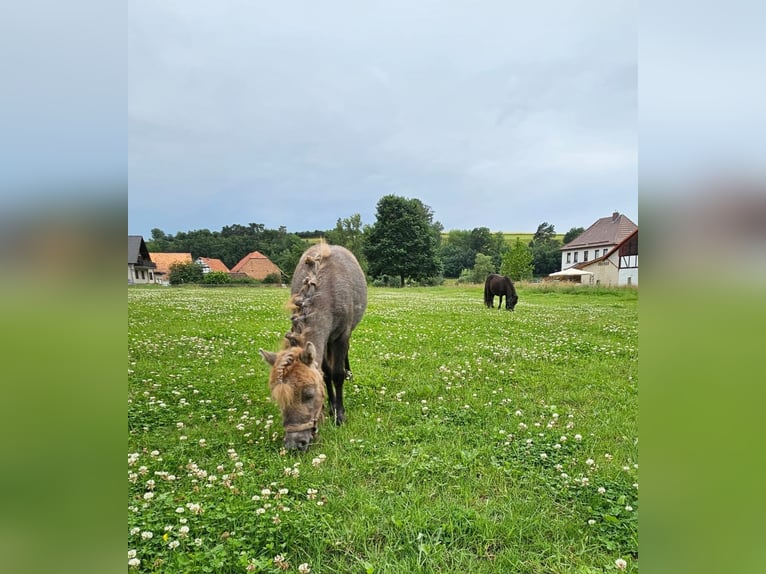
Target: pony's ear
point(309, 354)
point(270, 358)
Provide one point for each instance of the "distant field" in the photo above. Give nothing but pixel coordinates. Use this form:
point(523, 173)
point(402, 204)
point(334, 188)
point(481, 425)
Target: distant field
point(478, 440)
point(510, 236)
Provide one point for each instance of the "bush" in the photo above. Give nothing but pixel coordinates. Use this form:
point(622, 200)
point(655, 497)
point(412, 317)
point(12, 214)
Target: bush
point(272, 278)
point(216, 278)
point(184, 273)
point(387, 281)
point(466, 276)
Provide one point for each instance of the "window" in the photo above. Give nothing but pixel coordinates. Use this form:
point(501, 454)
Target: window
point(575, 258)
point(585, 255)
point(569, 257)
point(595, 254)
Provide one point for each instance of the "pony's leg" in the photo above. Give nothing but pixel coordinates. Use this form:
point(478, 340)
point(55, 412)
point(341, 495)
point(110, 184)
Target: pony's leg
point(339, 349)
point(327, 375)
point(500, 301)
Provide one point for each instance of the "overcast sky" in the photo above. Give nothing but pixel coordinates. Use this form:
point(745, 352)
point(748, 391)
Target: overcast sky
point(499, 114)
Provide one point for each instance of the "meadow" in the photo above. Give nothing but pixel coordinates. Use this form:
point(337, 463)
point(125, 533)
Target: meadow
point(477, 440)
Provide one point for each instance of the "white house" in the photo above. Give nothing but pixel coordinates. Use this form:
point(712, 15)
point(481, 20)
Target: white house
point(141, 268)
point(618, 267)
point(596, 241)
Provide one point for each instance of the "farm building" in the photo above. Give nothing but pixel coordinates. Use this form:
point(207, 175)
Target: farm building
point(618, 267)
point(596, 241)
point(164, 262)
point(257, 266)
point(141, 268)
point(209, 264)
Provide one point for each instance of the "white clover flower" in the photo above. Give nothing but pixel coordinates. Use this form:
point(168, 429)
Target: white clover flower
point(601, 490)
point(148, 495)
point(133, 531)
point(260, 511)
point(591, 522)
point(198, 541)
point(134, 562)
point(629, 508)
point(147, 534)
point(590, 462)
point(283, 491)
point(620, 563)
point(180, 510)
point(304, 568)
point(131, 553)
point(173, 544)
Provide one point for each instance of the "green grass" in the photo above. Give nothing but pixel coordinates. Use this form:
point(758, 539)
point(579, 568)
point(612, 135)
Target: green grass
point(452, 459)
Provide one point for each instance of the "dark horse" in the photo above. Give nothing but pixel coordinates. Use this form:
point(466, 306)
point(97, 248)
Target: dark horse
point(329, 297)
point(499, 285)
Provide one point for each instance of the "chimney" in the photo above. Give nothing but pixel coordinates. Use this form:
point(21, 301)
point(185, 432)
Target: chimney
point(615, 215)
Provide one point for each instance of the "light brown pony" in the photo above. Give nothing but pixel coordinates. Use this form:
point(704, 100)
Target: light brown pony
point(329, 297)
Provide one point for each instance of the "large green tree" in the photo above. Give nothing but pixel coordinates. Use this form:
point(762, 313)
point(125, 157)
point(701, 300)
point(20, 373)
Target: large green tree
point(459, 249)
point(546, 250)
point(349, 233)
point(517, 263)
point(573, 234)
point(403, 240)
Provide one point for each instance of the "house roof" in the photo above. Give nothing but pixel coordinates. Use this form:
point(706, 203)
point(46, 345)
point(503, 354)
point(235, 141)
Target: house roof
point(256, 265)
point(138, 254)
point(605, 231)
point(214, 264)
point(165, 260)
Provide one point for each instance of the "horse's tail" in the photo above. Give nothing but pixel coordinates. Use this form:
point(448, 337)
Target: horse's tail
point(487, 293)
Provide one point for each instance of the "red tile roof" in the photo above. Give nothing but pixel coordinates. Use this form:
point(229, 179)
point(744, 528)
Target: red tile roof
point(214, 264)
point(256, 265)
point(605, 231)
point(165, 260)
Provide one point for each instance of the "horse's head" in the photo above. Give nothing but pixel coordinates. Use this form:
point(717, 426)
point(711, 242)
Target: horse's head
point(297, 386)
point(510, 302)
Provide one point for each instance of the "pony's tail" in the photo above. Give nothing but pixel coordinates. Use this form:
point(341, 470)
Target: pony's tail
point(486, 292)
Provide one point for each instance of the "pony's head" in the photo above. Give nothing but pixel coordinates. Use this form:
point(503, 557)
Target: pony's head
point(510, 302)
point(297, 386)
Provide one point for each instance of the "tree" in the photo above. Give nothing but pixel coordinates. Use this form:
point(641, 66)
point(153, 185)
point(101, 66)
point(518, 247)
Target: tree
point(348, 232)
point(545, 232)
point(402, 241)
point(517, 263)
point(546, 254)
point(483, 267)
point(573, 234)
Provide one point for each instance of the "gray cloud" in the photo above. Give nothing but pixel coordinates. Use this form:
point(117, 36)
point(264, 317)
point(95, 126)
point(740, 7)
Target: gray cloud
point(495, 114)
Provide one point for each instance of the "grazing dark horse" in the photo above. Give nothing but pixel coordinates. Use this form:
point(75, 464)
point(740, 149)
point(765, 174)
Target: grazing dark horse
point(329, 297)
point(501, 286)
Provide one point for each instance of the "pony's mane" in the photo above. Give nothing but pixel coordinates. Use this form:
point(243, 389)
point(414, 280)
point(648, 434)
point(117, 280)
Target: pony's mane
point(300, 302)
point(282, 393)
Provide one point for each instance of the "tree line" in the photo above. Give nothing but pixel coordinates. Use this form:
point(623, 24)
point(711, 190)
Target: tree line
point(404, 244)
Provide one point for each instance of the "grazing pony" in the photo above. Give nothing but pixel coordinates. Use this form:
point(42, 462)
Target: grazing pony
point(329, 297)
point(501, 286)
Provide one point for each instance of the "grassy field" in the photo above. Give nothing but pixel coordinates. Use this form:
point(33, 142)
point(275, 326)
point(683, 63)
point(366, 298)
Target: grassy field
point(477, 440)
